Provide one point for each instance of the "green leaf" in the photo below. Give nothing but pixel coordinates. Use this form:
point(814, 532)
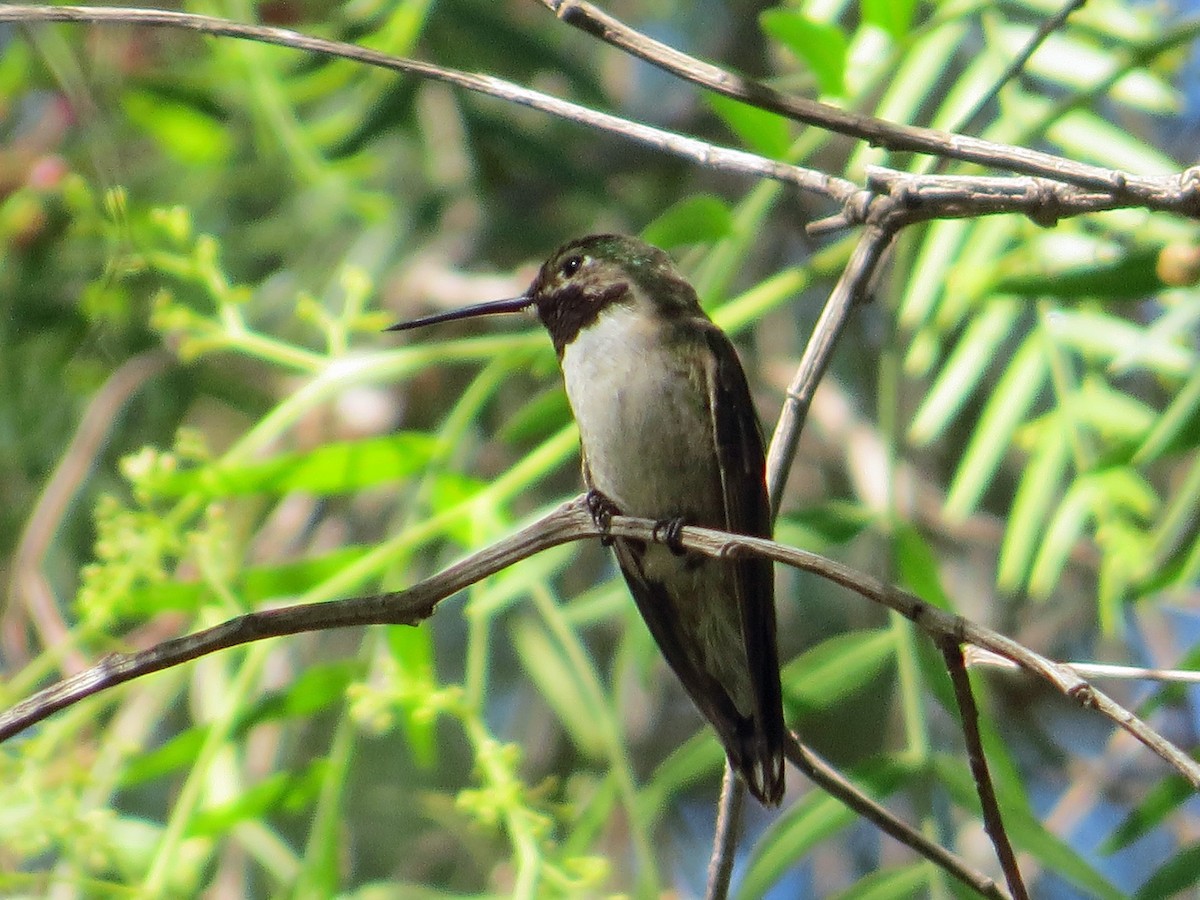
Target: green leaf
point(1025, 831)
point(918, 568)
point(890, 884)
point(833, 522)
point(766, 133)
point(330, 469)
point(1105, 338)
point(252, 587)
point(813, 819)
point(892, 16)
point(838, 666)
point(1129, 275)
point(1039, 490)
point(280, 790)
point(1174, 877)
point(1176, 428)
point(697, 758)
point(1007, 407)
point(1104, 491)
point(1161, 800)
point(699, 219)
point(558, 683)
point(820, 44)
point(542, 416)
point(191, 136)
point(416, 679)
point(1089, 138)
point(967, 364)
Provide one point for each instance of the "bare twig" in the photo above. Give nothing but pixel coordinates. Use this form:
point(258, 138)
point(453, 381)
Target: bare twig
point(1018, 63)
point(698, 151)
point(976, 656)
point(993, 821)
point(837, 785)
point(569, 522)
point(877, 132)
point(728, 829)
point(851, 287)
point(29, 590)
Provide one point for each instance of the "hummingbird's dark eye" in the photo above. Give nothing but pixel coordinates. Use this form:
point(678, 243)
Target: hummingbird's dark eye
point(571, 265)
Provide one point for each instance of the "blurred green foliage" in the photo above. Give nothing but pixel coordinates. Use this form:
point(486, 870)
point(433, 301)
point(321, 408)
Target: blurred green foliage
point(1015, 419)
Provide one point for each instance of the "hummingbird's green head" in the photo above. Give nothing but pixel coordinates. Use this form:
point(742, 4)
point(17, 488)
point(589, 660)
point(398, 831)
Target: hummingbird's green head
point(589, 275)
point(585, 277)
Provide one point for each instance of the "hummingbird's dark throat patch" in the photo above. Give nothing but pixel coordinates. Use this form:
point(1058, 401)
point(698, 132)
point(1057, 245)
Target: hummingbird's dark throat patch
point(571, 308)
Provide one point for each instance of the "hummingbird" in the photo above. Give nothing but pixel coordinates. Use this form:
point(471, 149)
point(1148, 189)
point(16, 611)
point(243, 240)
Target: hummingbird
point(668, 432)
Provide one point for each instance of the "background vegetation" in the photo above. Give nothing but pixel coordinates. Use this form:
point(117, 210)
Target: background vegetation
point(200, 241)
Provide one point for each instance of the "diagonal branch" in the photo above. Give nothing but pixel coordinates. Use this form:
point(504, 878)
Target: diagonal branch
point(876, 132)
point(700, 152)
point(993, 822)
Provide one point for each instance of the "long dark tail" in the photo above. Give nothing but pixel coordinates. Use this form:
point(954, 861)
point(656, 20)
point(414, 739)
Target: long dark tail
point(756, 754)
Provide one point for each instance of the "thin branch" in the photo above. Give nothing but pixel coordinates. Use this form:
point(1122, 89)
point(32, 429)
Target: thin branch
point(29, 589)
point(700, 152)
point(877, 132)
point(837, 785)
point(993, 821)
point(851, 288)
point(569, 522)
point(1018, 63)
point(938, 624)
point(730, 808)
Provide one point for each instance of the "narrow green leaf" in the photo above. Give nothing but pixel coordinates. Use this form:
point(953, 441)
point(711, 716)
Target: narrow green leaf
point(905, 883)
point(963, 369)
point(766, 133)
point(1174, 877)
point(1176, 428)
point(280, 790)
point(1025, 831)
point(813, 819)
point(314, 690)
point(1015, 393)
point(541, 417)
point(1130, 275)
point(416, 679)
point(699, 757)
point(1067, 526)
point(820, 677)
point(834, 522)
point(820, 44)
point(191, 136)
point(1113, 415)
point(329, 469)
point(1104, 338)
point(699, 219)
point(892, 16)
point(1162, 800)
point(1039, 489)
point(1087, 137)
point(253, 585)
point(557, 681)
point(919, 568)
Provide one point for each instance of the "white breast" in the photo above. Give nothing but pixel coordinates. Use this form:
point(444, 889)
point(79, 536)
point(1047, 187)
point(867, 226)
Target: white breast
point(643, 418)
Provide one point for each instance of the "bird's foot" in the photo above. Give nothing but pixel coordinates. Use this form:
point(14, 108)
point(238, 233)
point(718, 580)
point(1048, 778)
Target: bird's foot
point(671, 534)
point(602, 510)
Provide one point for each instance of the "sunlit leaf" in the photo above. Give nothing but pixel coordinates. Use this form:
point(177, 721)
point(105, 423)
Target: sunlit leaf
point(820, 44)
point(823, 676)
point(701, 218)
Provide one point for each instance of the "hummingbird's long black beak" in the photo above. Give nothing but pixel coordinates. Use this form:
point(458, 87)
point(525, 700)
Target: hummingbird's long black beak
point(491, 308)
